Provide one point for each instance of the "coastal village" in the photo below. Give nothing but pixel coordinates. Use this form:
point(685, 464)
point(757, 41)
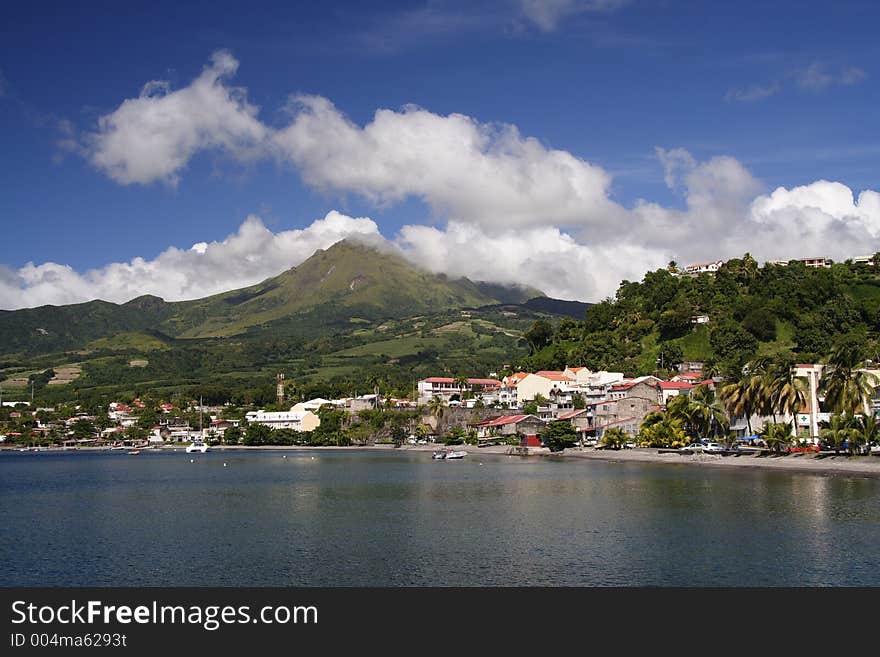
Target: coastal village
point(514, 409)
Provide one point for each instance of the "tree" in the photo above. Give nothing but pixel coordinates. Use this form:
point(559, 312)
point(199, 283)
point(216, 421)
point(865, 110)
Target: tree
point(670, 356)
point(788, 394)
point(83, 429)
point(658, 430)
point(707, 412)
point(461, 382)
point(837, 433)
point(232, 435)
point(258, 434)
point(398, 435)
point(614, 438)
point(539, 335)
point(740, 399)
point(559, 435)
point(436, 407)
point(868, 426)
point(456, 436)
point(777, 435)
point(848, 389)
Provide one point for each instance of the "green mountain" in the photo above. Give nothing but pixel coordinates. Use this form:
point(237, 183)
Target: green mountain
point(348, 280)
point(345, 312)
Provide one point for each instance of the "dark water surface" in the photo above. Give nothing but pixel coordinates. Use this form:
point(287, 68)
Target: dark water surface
point(320, 518)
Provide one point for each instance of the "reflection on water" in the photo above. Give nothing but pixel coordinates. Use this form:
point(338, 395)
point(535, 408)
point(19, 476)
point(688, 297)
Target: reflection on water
point(312, 518)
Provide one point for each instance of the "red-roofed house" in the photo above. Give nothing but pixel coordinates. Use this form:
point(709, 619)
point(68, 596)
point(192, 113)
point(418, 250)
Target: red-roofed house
point(508, 393)
point(670, 389)
point(527, 427)
point(445, 387)
point(644, 387)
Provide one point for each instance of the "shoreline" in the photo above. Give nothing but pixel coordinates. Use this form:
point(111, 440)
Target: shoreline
point(821, 464)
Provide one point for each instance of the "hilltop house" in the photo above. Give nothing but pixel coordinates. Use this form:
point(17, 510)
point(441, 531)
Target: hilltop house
point(703, 268)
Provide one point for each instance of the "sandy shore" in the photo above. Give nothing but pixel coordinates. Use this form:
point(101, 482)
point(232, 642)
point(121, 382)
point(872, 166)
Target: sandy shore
point(823, 464)
point(817, 464)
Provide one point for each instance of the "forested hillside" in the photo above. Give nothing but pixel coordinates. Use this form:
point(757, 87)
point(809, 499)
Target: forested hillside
point(723, 320)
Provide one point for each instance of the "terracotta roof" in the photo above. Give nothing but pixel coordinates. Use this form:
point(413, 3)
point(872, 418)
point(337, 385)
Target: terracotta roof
point(504, 419)
point(514, 379)
point(553, 375)
point(571, 414)
point(675, 385)
point(449, 379)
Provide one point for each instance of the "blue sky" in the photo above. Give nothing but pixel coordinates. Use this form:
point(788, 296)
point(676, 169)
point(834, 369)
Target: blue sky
point(743, 99)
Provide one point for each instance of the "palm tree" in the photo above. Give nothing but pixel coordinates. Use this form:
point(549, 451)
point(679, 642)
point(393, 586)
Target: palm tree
point(614, 438)
point(435, 408)
point(741, 399)
point(777, 435)
point(375, 383)
point(838, 432)
point(708, 412)
point(848, 388)
point(788, 393)
point(461, 382)
point(869, 428)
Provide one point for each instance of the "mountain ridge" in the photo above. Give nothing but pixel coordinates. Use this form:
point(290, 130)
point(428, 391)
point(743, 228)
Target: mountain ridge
point(349, 279)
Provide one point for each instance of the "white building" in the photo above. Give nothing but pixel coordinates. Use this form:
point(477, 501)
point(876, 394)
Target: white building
point(446, 386)
point(703, 267)
point(296, 420)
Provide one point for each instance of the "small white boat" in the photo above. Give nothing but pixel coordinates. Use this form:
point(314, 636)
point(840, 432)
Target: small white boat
point(449, 454)
point(197, 446)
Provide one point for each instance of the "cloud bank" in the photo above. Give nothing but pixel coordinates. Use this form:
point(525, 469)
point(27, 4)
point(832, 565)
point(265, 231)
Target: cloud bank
point(510, 209)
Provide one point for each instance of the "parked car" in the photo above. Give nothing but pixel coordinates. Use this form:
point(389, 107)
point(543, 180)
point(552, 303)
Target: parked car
point(713, 448)
point(693, 447)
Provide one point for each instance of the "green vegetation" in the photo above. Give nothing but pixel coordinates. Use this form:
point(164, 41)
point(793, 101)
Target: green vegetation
point(777, 311)
point(343, 316)
point(559, 435)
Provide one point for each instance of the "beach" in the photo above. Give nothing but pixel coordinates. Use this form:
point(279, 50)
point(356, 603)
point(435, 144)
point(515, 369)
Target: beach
point(822, 463)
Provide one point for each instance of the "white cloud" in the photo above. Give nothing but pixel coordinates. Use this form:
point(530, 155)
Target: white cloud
point(753, 93)
point(511, 209)
point(822, 218)
point(542, 257)
point(249, 256)
point(465, 170)
point(547, 14)
point(817, 77)
point(153, 137)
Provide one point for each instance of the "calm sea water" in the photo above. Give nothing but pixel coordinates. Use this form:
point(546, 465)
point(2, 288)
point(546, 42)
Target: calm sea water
point(318, 518)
